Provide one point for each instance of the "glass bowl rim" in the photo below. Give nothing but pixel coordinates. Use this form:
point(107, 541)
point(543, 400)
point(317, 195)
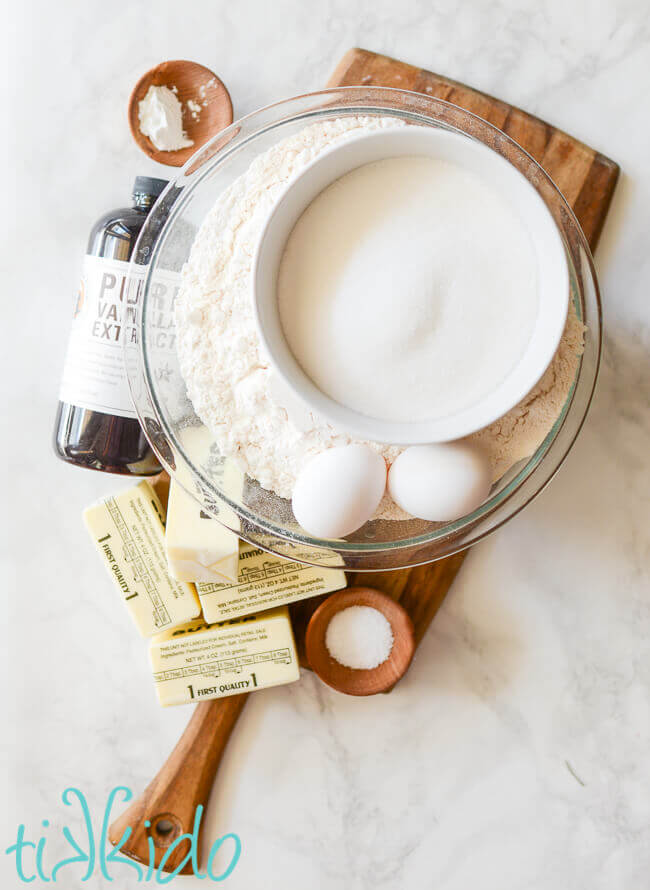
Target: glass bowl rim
point(526, 474)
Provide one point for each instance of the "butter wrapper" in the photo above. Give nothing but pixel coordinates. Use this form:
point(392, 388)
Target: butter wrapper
point(200, 661)
point(263, 582)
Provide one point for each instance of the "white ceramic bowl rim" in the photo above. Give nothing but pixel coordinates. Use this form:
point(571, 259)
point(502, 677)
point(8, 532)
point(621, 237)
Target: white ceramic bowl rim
point(444, 144)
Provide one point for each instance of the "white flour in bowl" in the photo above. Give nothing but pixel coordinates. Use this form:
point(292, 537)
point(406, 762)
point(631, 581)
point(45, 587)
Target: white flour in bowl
point(227, 375)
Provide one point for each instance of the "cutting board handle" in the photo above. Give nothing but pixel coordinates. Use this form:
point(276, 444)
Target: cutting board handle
point(170, 801)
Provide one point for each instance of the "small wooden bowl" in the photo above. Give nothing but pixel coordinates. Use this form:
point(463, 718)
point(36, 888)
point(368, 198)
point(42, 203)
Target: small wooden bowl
point(353, 681)
point(189, 78)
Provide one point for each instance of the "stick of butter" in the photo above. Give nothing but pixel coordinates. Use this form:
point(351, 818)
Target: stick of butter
point(263, 582)
point(198, 547)
point(129, 533)
point(198, 662)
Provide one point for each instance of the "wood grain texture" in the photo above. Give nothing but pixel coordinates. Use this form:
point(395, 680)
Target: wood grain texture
point(169, 803)
point(585, 177)
point(587, 180)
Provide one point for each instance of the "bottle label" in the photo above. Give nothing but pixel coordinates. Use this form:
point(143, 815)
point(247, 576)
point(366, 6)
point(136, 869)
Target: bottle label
point(94, 375)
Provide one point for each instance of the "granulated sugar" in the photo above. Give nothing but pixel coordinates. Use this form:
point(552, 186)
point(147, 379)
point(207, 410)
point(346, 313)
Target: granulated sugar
point(408, 289)
point(359, 637)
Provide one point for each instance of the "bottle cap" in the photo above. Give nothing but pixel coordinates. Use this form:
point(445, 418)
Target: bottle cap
point(148, 185)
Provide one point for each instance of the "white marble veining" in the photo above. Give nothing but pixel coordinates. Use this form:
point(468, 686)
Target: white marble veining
point(515, 752)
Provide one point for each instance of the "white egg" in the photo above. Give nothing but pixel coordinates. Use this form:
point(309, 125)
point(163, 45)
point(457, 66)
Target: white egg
point(440, 482)
point(339, 490)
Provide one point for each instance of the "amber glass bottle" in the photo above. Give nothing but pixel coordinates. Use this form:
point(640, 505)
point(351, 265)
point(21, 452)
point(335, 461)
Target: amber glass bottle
point(96, 425)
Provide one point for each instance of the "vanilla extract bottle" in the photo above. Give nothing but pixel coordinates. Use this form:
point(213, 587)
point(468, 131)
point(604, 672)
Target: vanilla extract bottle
point(96, 424)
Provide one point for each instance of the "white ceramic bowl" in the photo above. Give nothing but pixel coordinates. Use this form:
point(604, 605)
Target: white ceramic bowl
point(552, 269)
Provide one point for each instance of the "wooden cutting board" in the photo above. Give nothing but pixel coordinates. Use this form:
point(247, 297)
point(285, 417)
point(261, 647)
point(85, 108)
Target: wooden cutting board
point(587, 180)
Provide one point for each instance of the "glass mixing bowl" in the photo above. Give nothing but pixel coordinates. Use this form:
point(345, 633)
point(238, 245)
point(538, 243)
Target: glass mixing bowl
point(158, 390)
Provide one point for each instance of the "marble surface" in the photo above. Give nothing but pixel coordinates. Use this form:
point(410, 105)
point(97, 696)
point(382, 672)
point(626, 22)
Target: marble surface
point(515, 752)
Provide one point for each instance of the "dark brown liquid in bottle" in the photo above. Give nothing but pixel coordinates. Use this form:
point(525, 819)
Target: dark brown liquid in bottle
point(93, 439)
